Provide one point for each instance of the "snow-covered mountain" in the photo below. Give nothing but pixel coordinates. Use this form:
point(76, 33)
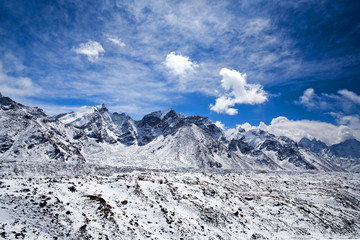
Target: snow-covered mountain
point(277, 152)
point(169, 140)
point(345, 154)
point(160, 140)
point(314, 145)
point(28, 134)
point(348, 149)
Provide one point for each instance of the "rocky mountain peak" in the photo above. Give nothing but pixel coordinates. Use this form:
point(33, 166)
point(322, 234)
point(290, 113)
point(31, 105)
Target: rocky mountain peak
point(7, 103)
point(314, 145)
point(157, 123)
point(101, 108)
point(27, 133)
point(305, 142)
point(155, 118)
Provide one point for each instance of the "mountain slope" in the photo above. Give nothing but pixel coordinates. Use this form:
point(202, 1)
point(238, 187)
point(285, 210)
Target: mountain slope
point(277, 152)
point(348, 149)
point(314, 145)
point(345, 154)
point(27, 133)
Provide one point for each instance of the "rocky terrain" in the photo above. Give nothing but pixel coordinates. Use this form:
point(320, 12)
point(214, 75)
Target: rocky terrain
point(173, 205)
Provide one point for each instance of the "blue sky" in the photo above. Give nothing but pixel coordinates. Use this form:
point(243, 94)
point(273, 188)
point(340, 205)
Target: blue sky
point(233, 61)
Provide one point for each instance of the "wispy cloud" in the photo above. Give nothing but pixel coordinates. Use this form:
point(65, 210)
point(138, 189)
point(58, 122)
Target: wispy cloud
point(11, 64)
point(238, 91)
point(255, 26)
point(116, 40)
point(344, 101)
point(343, 106)
point(151, 30)
point(17, 86)
point(92, 49)
point(313, 101)
point(351, 96)
point(255, 36)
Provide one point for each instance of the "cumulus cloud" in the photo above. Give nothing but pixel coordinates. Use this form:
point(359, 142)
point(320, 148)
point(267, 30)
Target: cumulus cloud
point(349, 127)
point(352, 121)
point(116, 40)
point(179, 65)
point(342, 105)
point(237, 91)
point(91, 49)
point(16, 86)
point(344, 101)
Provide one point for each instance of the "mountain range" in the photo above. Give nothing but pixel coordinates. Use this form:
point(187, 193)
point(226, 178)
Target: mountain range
point(31, 141)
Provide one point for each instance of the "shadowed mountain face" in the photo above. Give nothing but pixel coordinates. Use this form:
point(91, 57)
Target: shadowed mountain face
point(314, 145)
point(160, 140)
point(345, 154)
point(347, 149)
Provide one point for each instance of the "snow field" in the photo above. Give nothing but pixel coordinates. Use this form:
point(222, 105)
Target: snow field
point(174, 205)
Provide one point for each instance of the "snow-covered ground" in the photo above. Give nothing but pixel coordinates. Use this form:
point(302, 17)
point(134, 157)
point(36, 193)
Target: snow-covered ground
point(182, 205)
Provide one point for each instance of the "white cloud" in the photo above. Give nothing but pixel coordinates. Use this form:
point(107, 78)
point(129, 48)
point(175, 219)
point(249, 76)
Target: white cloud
point(247, 126)
point(342, 107)
point(17, 86)
point(344, 101)
point(220, 125)
point(350, 95)
point(308, 97)
point(351, 121)
point(313, 101)
point(91, 49)
point(116, 40)
point(11, 63)
point(238, 92)
point(179, 65)
point(256, 25)
point(349, 127)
